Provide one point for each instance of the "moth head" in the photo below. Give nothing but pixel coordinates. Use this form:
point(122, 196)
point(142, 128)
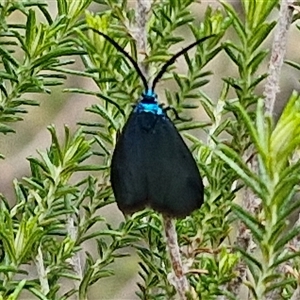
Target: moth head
point(149, 97)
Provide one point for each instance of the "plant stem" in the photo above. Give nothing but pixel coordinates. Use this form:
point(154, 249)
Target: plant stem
point(182, 284)
point(277, 55)
point(75, 260)
point(142, 8)
point(270, 92)
point(296, 294)
point(42, 273)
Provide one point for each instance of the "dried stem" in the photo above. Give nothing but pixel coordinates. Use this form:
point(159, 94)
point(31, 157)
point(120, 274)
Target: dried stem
point(42, 273)
point(272, 85)
point(250, 201)
point(244, 238)
point(75, 260)
point(277, 55)
point(296, 294)
point(180, 279)
point(142, 9)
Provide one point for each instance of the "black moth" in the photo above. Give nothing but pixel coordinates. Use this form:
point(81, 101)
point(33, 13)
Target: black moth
point(151, 164)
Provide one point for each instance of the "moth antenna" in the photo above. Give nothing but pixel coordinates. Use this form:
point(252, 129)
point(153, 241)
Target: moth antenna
point(173, 59)
point(127, 55)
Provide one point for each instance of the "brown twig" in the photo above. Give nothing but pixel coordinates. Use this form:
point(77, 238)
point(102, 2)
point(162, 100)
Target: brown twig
point(272, 87)
point(75, 260)
point(250, 202)
point(180, 279)
point(42, 273)
point(142, 9)
point(277, 55)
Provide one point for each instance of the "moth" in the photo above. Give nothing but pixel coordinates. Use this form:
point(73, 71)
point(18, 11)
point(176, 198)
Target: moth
point(151, 164)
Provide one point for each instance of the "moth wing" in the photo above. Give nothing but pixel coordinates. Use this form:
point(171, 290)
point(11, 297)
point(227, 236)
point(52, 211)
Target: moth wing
point(174, 184)
point(127, 176)
point(152, 165)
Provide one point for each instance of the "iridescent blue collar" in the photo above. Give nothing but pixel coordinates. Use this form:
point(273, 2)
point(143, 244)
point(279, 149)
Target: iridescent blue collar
point(149, 103)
